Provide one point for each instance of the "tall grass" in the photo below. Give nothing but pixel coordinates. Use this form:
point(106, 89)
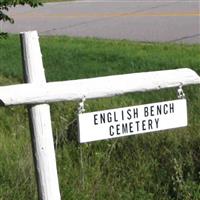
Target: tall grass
point(162, 165)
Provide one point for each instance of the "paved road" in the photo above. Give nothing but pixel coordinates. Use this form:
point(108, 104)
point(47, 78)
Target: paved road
point(140, 20)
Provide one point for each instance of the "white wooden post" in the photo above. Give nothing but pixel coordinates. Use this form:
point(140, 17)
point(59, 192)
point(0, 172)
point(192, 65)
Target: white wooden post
point(94, 88)
point(40, 121)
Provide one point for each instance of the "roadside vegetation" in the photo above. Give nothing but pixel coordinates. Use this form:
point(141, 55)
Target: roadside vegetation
point(49, 1)
point(160, 166)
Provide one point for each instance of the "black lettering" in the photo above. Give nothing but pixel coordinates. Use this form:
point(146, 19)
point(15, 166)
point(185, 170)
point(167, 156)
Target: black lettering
point(122, 115)
point(150, 124)
point(156, 120)
point(159, 110)
point(95, 119)
point(124, 128)
point(102, 118)
point(115, 117)
point(171, 107)
point(129, 114)
point(144, 125)
point(111, 130)
point(152, 111)
point(135, 113)
point(165, 107)
point(146, 113)
point(137, 123)
point(109, 117)
point(131, 127)
point(118, 129)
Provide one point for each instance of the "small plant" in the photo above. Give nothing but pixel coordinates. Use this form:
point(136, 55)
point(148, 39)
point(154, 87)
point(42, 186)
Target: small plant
point(183, 189)
point(6, 4)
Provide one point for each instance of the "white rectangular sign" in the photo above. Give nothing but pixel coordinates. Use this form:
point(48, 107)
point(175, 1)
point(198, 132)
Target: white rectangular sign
point(132, 120)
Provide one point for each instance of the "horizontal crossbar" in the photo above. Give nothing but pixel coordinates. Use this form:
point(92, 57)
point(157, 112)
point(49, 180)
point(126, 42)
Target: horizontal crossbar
point(93, 88)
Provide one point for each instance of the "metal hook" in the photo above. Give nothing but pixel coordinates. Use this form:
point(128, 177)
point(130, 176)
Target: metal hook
point(180, 92)
point(81, 107)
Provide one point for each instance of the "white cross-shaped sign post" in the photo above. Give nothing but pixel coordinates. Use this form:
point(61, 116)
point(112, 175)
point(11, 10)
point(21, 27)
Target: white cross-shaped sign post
point(37, 93)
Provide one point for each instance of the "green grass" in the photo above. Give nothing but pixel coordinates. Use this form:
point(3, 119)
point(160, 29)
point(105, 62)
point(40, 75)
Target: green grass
point(159, 166)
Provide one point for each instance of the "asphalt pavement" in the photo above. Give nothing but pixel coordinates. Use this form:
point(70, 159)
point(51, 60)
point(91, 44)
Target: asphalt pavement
point(138, 20)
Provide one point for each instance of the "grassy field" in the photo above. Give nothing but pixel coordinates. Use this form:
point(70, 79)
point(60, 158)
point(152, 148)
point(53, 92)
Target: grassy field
point(159, 166)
